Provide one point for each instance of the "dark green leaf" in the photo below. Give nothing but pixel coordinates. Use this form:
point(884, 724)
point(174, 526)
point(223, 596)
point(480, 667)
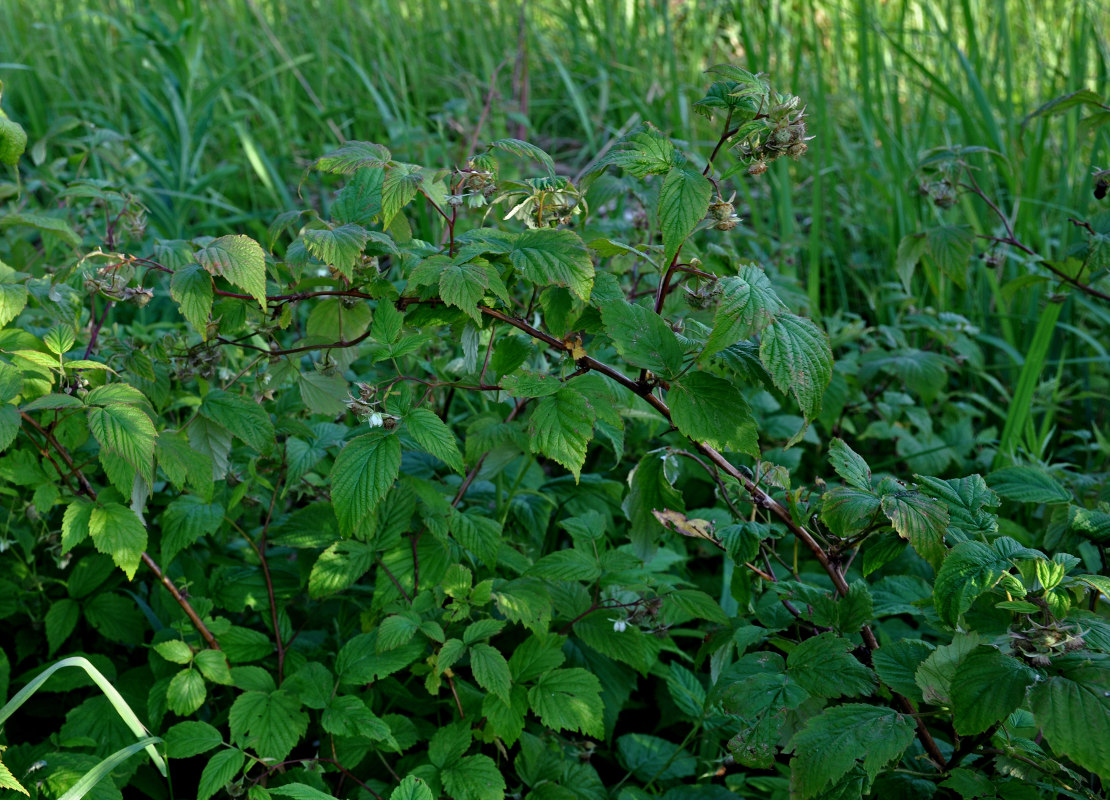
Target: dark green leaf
point(240, 260)
point(245, 419)
point(220, 770)
point(1073, 710)
point(568, 699)
point(970, 569)
point(552, 257)
point(711, 410)
point(1028, 485)
point(921, 520)
point(643, 338)
point(748, 304)
point(986, 688)
point(797, 356)
point(683, 203)
point(269, 723)
point(363, 473)
point(849, 465)
point(824, 667)
point(434, 437)
point(188, 739)
point(340, 247)
point(561, 428)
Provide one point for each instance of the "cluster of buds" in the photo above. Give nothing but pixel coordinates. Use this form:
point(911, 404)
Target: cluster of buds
point(475, 185)
point(644, 615)
point(1040, 643)
point(547, 202)
point(366, 406)
point(785, 134)
point(113, 283)
point(723, 214)
point(941, 192)
point(704, 296)
point(78, 386)
point(202, 361)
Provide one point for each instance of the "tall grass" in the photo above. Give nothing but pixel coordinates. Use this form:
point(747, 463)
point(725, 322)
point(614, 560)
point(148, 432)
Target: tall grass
point(219, 105)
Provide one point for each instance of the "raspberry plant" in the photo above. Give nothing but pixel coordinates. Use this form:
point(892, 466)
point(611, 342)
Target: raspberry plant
point(476, 484)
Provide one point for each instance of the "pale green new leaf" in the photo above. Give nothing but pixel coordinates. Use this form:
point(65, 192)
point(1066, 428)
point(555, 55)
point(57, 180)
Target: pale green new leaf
point(644, 151)
point(561, 428)
point(363, 473)
point(462, 286)
point(986, 688)
point(117, 532)
point(239, 259)
point(402, 182)
point(191, 287)
point(796, 354)
point(711, 410)
point(412, 788)
point(683, 203)
point(643, 338)
point(127, 432)
point(186, 692)
point(434, 436)
point(13, 294)
point(474, 777)
point(339, 247)
point(569, 699)
point(220, 770)
point(748, 304)
point(491, 670)
point(340, 566)
point(191, 738)
point(829, 745)
point(551, 257)
point(1073, 710)
point(271, 723)
point(849, 465)
point(245, 418)
point(353, 156)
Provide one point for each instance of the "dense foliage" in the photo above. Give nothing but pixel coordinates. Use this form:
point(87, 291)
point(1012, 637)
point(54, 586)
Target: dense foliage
point(475, 485)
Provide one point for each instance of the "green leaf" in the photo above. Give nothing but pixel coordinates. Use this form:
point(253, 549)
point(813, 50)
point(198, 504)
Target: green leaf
point(402, 182)
point(127, 432)
point(569, 699)
point(213, 666)
point(60, 622)
point(712, 411)
point(522, 149)
point(184, 521)
point(748, 304)
point(566, 565)
point(347, 715)
point(683, 203)
point(934, 676)
point(299, 791)
point(270, 723)
point(970, 569)
point(359, 661)
point(434, 437)
point(986, 688)
point(480, 535)
point(117, 532)
point(239, 259)
point(553, 257)
point(524, 383)
point(951, 247)
point(921, 520)
point(245, 419)
point(340, 247)
point(683, 605)
point(10, 423)
point(536, 655)
point(364, 472)
point(561, 428)
point(1073, 710)
point(353, 156)
point(796, 354)
point(13, 141)
point(824, 667)
point(339, 567)
point(829, 745)
point(44, 223)
point(186, 692)
point(491, 670)
point(175, 651)
point(188, 739)
point(474, 777)
point(463, 285)
point(643, 151)
point(220, 770)
point(75, 523)
point(897, 663)
point(412, 788)
point(643, 338)
point(649, 757)
point(849, 465)
point(191, 287)
point(1027, 485)
point(13, 294)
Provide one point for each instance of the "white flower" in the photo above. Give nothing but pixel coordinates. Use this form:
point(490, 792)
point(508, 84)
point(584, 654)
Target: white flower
point(619, 625)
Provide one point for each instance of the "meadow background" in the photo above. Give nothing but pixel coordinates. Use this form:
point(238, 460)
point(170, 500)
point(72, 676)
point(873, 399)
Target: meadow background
point(211, 111)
